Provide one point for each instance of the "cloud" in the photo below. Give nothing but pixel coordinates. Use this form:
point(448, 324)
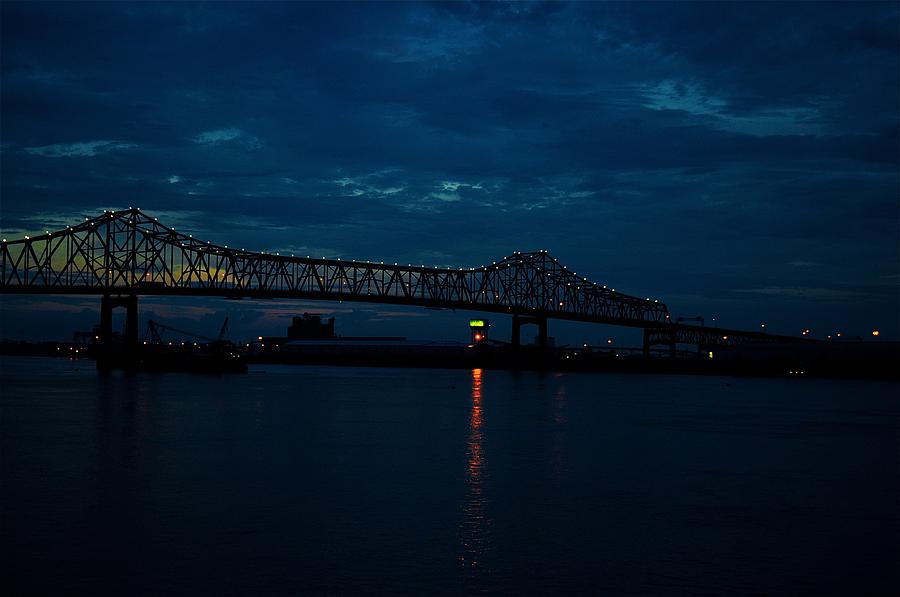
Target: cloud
point(81, 149)
point(804, 292)
point(448, 197)
point(217, 136)
point(227, 135)
point(358, 186)
point(453, 186)
point(692, 99)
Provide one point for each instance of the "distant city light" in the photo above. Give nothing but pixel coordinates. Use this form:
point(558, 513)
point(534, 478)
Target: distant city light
point(876, 333)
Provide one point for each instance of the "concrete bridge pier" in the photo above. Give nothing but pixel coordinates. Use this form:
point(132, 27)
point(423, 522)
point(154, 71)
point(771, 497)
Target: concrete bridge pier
point(520, 320)
point(108, 352)
point(654, 336)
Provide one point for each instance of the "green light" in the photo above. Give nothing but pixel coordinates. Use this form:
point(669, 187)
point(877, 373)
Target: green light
point(476, 323)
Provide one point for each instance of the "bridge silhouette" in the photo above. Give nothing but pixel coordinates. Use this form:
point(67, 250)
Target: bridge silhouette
point(121, 255)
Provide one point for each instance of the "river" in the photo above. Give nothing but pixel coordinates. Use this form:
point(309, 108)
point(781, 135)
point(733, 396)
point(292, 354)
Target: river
point(347, 481)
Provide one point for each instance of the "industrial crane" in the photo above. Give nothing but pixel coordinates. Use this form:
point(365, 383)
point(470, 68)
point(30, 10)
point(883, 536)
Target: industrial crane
point(154, 336)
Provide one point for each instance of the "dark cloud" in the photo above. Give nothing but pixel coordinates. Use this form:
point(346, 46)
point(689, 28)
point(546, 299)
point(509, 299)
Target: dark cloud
point(690, 151)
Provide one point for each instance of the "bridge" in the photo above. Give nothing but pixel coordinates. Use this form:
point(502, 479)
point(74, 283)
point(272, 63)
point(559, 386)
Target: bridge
point(120, 255)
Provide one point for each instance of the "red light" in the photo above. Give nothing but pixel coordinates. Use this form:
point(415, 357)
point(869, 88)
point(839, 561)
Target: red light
point(478, 337)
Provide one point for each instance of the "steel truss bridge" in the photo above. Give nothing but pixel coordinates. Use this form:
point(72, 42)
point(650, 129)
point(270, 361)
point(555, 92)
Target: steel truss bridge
point(122, 254)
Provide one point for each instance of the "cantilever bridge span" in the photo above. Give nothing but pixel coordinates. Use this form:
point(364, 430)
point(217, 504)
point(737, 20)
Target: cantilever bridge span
point(123, 254)
point(128, 252)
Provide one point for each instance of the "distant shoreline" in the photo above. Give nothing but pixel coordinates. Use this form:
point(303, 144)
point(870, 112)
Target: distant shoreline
point(850, 360)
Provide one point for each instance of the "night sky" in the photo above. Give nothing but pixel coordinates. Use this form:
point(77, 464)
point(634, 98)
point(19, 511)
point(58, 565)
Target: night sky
point(734, 160)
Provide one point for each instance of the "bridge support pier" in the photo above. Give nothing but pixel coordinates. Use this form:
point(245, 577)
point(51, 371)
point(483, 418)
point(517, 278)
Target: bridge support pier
point(653, 336)
point(520, 320)
point(107, 352)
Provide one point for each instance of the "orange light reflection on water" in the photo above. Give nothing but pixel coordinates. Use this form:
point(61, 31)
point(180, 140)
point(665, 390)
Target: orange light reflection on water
point(476, 422)
point(474, 526)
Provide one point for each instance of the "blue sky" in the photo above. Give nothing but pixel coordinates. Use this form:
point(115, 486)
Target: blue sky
point(736, 160)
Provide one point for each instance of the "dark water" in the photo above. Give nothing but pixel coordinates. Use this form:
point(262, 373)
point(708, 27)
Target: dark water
point(357, 481)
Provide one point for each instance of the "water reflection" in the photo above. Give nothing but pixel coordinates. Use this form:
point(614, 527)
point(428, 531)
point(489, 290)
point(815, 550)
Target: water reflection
point(558, 455)
point(474, 530)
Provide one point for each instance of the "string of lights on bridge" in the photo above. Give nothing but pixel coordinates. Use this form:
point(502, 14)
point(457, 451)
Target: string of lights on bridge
point(494, 266)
